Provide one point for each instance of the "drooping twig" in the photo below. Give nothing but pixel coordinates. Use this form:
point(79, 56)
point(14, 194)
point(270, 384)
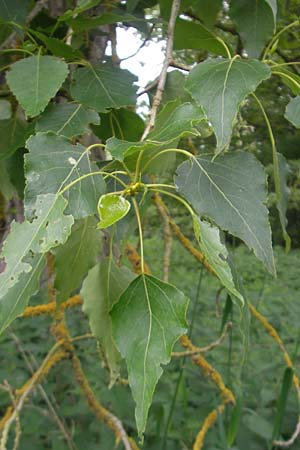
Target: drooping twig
point(163, 75)
point(18, 423)
point(207, 348)
point(61, 333)
point(50, 308)
point(289, 442)
point(207, 424)
point(43, 393)
point(180, 66)
point(13, 411)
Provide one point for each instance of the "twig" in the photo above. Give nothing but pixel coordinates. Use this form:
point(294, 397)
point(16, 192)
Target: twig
point(18, 423)
point(163, 76)
point(148, 87)
point(179, 65)
point(167, 237)
point(43, 393)
point(208, 370)
point(142, 44)
point(21, 394)
point(207, 348)
point(292, 439)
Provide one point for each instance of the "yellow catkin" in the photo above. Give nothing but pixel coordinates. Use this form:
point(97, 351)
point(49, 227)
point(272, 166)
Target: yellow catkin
point(208, 370)
point(43, 372)
point(207, 424)
point(275, 336)
point(50, 308)
point(6, 416)
point(135, 260)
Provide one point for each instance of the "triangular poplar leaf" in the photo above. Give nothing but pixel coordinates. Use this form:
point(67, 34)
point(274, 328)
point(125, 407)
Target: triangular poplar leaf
point(52, 163)
point(111, 209)
point(14, 133)
point(292, 112)
point(102, 86)
point(35, 80)
point(255, 22)
point(147, 321)
point(194, 35)
point(58, 47)
point(49, 228)
point(121, 123)
point(176, 121)
point(208, 237)
point(173, 122)
point(76, 257)
point(15, 300)
point(219, 86)
point(282, 204)
point(101, 289)
point(232, 191)
point(67, 119)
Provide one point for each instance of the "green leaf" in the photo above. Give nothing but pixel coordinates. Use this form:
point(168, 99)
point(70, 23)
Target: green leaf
point(57, 47)
point(14, 133)
point(216, 254)
point(290, 79)
point(234, 422)
point(44, 76)
point(52, 163)
point(82, 6)
point(174, 88)
point(13, 302)
point(172, 123)
point(196, 36)
point(176, 121)
point(131, 5)
point(14, 10)
point(111, 209)
point(255, 21)
point(67, 119)
point(282, 204)
point(147, 321)
point(292, 112)
point(101, 289)
point(76, 257)
point(5, 110)
point(282, 401)
point(258, 425)
point(102, 86)
point(207, 12)
point(49, 228)
point(232, 191)
point(120, 123)
point(88, 23)
point(219, 86)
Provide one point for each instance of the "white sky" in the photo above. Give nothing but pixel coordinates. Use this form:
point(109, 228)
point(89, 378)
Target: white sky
point(146, 65)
